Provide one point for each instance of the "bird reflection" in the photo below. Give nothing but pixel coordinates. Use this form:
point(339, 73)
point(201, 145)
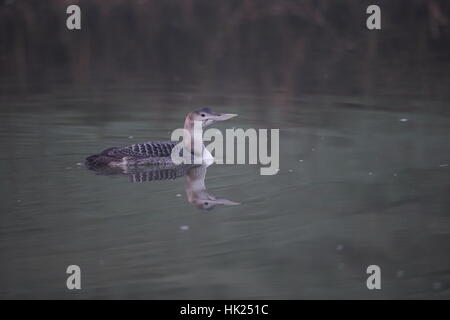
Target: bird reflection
point(196, 191)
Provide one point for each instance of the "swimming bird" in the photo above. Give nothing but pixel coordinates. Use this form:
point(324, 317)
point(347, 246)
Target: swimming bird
point(159, 152)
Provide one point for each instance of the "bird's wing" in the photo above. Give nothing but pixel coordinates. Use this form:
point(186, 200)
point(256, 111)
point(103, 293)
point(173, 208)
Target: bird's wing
point(152, 149)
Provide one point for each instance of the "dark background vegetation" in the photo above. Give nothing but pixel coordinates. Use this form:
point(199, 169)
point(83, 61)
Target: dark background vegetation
point(264, 44)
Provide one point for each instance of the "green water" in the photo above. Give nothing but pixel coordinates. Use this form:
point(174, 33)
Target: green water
point(357, 186)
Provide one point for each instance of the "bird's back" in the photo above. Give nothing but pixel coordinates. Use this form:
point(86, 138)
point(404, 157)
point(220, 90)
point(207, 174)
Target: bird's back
point(152, 152)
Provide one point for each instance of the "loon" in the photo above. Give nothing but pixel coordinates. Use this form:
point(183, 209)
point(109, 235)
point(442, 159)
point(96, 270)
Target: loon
point(159, 152)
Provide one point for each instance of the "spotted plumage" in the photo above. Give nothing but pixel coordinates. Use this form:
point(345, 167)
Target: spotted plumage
point(155, 152)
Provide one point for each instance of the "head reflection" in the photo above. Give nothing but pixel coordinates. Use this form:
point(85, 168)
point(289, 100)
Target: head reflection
point(196, 191)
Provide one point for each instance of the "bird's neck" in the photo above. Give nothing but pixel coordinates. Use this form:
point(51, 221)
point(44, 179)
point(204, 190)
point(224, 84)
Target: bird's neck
point(193, 142)
point(193, 136)
point(195, 182)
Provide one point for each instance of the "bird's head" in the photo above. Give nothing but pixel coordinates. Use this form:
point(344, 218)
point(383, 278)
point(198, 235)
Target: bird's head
point(207, 117)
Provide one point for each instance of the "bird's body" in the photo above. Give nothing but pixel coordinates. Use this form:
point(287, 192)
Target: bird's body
point(147, 153)
point(160, 152)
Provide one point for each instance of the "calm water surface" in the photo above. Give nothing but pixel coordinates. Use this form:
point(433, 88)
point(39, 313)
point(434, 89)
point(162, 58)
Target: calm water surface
point(363, 180)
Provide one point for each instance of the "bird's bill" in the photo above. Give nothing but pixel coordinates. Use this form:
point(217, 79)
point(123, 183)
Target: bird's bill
point(223, 116)
point(226, 202)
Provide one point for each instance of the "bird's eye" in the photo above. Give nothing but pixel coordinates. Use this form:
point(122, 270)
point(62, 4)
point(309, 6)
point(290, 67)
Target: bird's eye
point(203, 114)
point(206, 203)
